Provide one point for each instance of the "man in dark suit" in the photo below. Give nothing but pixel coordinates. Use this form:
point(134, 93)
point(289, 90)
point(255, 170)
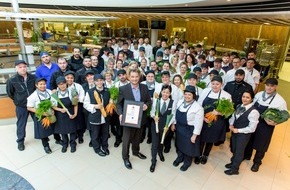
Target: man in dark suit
point(135, 92)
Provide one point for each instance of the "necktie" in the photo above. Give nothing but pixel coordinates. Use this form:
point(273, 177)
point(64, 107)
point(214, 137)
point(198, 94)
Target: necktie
point(163, 108)
point(240, 110)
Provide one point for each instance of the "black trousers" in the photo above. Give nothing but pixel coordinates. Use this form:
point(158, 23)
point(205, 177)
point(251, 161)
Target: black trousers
point(148, 125)
point(71, 140)
point(187, 160)
point(82, 122)
point(131, 135)
point(258, 157)
point(22, 117)
point(249, 148)
point(167, 139)
point(45, 141)
point(239, 143)
point(116, 128)
point(205, 148)
point(157, 147)
point(100, 135)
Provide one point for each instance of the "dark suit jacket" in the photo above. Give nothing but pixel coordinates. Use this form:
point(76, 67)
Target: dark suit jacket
point(125, 93)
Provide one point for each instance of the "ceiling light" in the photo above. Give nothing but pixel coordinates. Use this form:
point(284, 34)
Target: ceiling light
point(267, 23)
point(186, 5)
point(229, 0)
point(235, 22)
point(208, 20)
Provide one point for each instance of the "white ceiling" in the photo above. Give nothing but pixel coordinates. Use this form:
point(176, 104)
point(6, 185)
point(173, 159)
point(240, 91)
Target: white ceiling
point(135, 3)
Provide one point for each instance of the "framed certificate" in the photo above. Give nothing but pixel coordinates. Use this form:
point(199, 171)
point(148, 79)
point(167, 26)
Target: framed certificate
point(132, 114)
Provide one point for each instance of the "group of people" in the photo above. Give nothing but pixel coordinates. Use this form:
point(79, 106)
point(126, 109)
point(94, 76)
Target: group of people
point(167, 80)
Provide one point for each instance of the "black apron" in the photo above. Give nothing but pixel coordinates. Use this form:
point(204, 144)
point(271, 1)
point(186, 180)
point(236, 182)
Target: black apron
point(39, 131)
point(264, 132)
point(184, 133)
point(216, 132)
point(65, 125)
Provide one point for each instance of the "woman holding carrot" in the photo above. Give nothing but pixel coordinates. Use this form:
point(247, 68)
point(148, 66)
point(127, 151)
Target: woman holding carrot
point(162, 108)
point(189, 119)
point(213, 130)
point(66, 113)
point(41, 94)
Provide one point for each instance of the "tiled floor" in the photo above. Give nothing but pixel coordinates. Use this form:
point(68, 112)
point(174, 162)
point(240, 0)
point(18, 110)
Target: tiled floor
point(86, 170)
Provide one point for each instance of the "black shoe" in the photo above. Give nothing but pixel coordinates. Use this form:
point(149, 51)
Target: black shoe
point(149, 141)
point(60, 142)
point(140, 155)
point(100, 153)
point(197, 160)
point(184, 168)
point(81, 140)
point(64, 149)
point(21, 147)
point(128, 164)
point(203, 160)
point(166, 150)
point(162, 159)
point(73, 149)
point(47, 150)
point(176, 163)
point(152, 167)
point(90, 144)
point(229, 165)
point(255, 167)
point(117, 143)
point(231, 172)
point(107, 152)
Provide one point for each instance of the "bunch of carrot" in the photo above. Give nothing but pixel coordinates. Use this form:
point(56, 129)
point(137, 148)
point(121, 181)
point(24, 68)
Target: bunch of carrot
point(114, 93)
point(111, 107)
point(210, 117)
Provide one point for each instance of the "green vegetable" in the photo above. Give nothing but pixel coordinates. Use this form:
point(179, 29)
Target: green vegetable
point(201, 84)
point(160, 64)
point(114, 93)
point(225, 107)
point(43, 107)
point(74, 95)
point(186, 74)
point(166, 127)
point(276, 115)
point(60, 103)
point(158, 78)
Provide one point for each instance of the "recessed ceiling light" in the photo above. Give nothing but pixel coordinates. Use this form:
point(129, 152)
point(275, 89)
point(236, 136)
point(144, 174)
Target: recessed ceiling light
point(229, 0)
point(208, 20)
point(235, 22)
point(267, 23)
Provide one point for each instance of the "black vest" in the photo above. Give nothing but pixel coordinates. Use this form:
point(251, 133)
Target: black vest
point(162, 117)
point(105, 96)
point(243, 121)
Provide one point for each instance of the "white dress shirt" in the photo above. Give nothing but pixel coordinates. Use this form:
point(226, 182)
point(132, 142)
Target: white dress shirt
point(213, 95)
point(277, 102)
point(91, 107)
point(153, 109)
point(253, 118)
point(80, 91)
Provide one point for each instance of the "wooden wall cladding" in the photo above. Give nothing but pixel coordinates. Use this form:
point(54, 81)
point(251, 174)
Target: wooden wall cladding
point(233, 35)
